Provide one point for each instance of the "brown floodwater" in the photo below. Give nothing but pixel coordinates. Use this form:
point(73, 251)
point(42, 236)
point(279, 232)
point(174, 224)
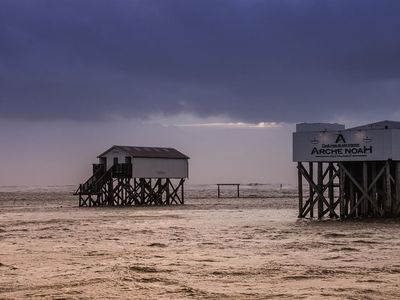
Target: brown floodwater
point(249, 248)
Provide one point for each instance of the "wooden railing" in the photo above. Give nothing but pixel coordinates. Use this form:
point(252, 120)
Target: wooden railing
point(98, 167)
point(89, 185)
point(122, 170)
point(100, 176)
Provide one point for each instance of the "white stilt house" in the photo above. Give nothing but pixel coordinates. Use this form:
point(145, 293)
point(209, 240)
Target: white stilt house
point(128, 175)
point(351, 172)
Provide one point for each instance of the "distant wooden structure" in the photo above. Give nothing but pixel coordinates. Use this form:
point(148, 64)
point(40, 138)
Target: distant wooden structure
point(128, 175)
point(349, 173)
point(229, 184)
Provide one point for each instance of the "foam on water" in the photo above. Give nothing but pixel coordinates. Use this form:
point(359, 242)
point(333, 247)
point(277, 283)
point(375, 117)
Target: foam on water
point(207, 249)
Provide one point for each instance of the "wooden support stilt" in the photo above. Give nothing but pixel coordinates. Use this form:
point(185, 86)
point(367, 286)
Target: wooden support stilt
point(351, 196)
point(319, 192)
point(311, 190)
point(388, 202)
point(364, 204)
point(397, 187)
point(300, 188)
point(374, 195)
point(143, 192)
point(122, 191)
point(360, 188)
point(331, 191)
point(167, 182)
point(365, 189)
point(81, 201)
point(110, 192)
point(320, 203)
point(342, 196)
point(183, 191)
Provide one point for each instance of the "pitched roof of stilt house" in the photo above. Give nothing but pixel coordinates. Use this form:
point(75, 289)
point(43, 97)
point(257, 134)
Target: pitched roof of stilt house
point(148, 152)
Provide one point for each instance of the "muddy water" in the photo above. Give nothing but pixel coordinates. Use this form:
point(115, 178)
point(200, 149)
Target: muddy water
point(253, 248)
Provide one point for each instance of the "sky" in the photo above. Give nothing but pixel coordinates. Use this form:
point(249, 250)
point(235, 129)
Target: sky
point(223, 81)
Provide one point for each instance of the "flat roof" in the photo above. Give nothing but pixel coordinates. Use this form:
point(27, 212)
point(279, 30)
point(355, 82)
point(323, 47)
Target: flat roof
point(378, 125)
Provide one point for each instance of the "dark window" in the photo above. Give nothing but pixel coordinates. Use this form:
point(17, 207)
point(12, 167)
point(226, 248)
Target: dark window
point(115, 160)
point(128, 159)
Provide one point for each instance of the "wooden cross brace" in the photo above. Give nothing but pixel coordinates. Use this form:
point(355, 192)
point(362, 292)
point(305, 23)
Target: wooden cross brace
point(312, 201)
point(362, 190)
point(320, 194)
point(174, 193)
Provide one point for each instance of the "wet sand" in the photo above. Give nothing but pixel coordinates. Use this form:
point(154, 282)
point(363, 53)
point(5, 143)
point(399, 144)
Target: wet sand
point(253, 248)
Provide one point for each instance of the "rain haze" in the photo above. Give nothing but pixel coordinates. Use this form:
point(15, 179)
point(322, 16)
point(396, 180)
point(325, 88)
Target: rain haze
point(222, 81)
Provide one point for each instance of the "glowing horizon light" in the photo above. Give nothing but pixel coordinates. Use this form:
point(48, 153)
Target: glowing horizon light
point(233, 125)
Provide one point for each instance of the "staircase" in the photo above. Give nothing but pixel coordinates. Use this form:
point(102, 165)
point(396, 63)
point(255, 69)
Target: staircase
point(94, 185)
point(91, 186)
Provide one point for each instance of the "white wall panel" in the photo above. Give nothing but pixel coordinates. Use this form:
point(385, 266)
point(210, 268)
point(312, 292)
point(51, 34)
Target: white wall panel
point(357, 145)
point(115, 153)
point(160, 168)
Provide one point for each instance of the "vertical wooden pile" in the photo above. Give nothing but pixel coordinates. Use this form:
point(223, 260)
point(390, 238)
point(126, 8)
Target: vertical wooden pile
point(350, 189)
point(116, 187)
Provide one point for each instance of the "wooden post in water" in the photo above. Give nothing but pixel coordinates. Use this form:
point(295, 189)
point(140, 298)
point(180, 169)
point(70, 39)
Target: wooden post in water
point(311, 173)
point(397, 179)
point(300, 188)
point(365, 186)
point(346, 185)
point(167, 192)
point(182, 191)
point(320, 205)
point(374, 197)
point(341, 183)
point(388, 202)
point(352, 195)
point(110, 191)
point(331, 191)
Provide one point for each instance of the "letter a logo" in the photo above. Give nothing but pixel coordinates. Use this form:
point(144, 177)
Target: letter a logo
point(340, 139)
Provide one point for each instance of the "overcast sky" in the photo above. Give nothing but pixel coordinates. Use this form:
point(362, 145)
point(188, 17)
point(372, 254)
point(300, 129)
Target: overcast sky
point(79, 76)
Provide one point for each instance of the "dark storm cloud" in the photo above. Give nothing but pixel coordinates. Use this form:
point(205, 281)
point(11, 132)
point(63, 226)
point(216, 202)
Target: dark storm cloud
point(275, 60)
